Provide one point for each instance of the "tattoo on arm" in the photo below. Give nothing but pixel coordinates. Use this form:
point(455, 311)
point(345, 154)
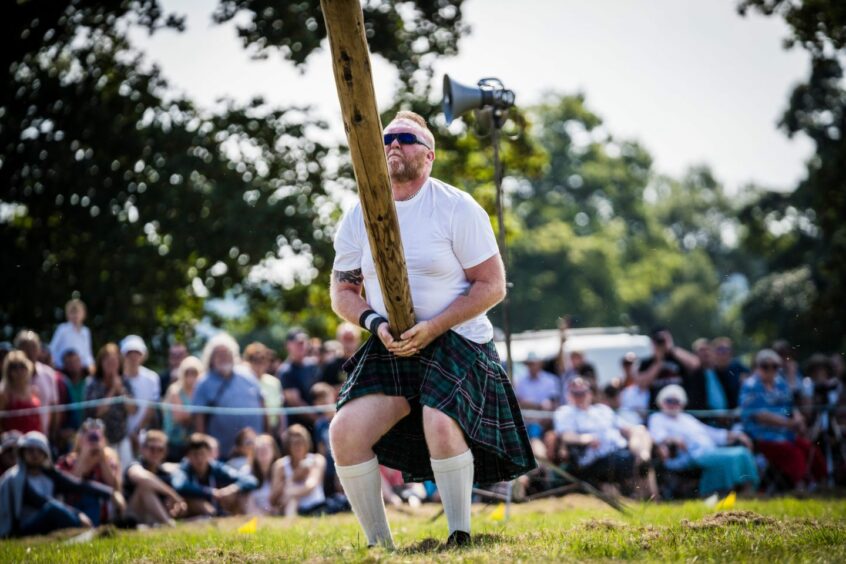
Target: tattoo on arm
point(350, 276)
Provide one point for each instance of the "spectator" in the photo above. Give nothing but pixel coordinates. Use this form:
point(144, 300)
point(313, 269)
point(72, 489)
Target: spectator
point(698, 445)
point(611, 394)
point(298, 376)
point(704, 389)
point(266, 454)
point(44, 377)
point(729, 369)
point(9, 449)
point(634, 398)
point(17, 393)
point(258, 358)
point(777, 428)
point(144, 383)
point(333, 372)
point(395, 490)
point(605, 442)
point(573, 369)
point(324, 394)
point(28, 504)
point(226, 385)
point(150, 498)
point(71, 392)
point(73, 334)
point(106, 384)
point(209, 487)
point(241, 456)
point(792, 375)
point(92, 460)
point(178, 423)
point(669, 364)
point(175, 355)
point(298, 477)
point(537, 389)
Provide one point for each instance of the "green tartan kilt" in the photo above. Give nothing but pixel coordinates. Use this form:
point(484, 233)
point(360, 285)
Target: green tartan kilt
point(458, 377)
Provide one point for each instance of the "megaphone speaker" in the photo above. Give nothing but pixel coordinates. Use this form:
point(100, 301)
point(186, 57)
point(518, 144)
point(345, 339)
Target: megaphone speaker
point(459, 98)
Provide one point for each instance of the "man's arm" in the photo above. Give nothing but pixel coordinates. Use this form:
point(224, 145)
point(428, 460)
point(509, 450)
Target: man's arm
point(487, 288)
point(347, 301)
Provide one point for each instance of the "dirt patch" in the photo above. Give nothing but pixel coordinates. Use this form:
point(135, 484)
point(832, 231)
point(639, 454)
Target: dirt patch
point(602, 525)
point(725, 518)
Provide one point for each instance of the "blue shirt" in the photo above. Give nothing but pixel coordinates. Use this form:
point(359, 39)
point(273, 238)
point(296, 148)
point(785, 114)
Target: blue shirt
point(755, 398)
point(241, 391)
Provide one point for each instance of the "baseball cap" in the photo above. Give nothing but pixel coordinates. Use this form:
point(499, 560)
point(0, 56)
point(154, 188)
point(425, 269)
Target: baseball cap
point(295, 333)
point(133, 343)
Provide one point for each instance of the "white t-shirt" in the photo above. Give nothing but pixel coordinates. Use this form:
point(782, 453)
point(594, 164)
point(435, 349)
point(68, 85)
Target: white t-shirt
point(444, 232)
point(598, 420)
point(634, 403)
point(145, 386)
point(67, 336)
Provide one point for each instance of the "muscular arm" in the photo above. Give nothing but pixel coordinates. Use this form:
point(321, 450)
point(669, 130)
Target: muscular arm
point(345, 291)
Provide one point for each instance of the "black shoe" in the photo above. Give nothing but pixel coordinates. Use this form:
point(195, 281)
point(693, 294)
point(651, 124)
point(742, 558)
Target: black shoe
point(458, 538)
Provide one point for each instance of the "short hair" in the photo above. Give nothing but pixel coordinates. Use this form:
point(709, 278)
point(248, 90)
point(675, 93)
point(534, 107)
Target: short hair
point(321, 391)
point(153, 434)
point(254, 349)
point(701, 342)
point(296, 431)
point(75, 303)
point(26, 336)
point(198, 441)
point(417, 119)
point(15, 360)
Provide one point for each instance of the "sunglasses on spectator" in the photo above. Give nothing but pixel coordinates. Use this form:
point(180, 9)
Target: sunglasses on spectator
point(672, 401)
point(404, 139)
point(768, 366)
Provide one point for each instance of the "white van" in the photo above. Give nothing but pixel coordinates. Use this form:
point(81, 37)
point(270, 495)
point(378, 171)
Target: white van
point(603, 347)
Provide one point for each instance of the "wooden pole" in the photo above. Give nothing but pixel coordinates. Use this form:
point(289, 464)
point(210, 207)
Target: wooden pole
point(353, 79)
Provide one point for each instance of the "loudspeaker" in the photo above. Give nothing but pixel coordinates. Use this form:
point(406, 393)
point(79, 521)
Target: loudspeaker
point(459, 98)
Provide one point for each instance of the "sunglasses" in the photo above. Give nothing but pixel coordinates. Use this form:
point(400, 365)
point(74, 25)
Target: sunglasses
point(672, 401)
point(404, 139)
point(768, 366)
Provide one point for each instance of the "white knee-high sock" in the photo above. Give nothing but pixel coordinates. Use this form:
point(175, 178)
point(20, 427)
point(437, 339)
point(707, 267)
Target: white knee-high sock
point(363, 486)
point(454, 477)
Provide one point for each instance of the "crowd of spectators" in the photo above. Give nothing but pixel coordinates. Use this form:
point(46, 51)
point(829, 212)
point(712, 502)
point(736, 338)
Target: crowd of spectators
point(120, 443)
point(690, 422)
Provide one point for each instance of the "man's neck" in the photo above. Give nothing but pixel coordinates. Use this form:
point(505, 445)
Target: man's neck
point(132, 371)
point(406, 190)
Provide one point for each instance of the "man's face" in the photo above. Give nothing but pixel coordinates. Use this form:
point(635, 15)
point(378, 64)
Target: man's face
point(259, 362)
point(133, 358)
point(297, 348)
point(72, 364)
point(222, 360)
point(705, 354)
point(199, 460)
point(580, 395)
point(33, 457)
point(31, 350)
point(154, 452)
point(722, 354)
point(408, 162)
point(76, 315)
point(176, 355)
point(534, 367)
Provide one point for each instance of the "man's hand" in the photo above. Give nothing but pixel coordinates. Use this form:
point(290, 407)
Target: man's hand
point(414, 340)
point(384, 334)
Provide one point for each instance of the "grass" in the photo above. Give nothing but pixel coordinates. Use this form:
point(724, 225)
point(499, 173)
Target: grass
point(570, 528)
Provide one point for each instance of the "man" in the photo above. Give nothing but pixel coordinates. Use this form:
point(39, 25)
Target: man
point(669, 364)
point(333, 373)
point(175, 355)
point(44, 378)
point(704, 389)
point(297, 376)
point(144, 383)
point(435, 403)
point(149, 495)
point(209, 487)
point(28, 504)
point(537, 389)
point(71, 387)
point(729, 369)
point(257, 356)
point(73, 334)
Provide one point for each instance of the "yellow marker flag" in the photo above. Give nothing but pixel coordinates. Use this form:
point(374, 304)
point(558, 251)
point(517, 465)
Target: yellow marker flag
point(728, 502)
point(249, 527)
point(498, 514)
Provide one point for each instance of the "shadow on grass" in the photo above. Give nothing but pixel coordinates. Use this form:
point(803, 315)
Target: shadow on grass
point(435, 545)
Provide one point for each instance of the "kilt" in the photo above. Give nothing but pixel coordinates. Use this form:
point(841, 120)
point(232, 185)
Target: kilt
point(458, 377)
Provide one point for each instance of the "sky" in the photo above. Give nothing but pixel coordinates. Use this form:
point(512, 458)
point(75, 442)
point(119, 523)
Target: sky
point(690, 79)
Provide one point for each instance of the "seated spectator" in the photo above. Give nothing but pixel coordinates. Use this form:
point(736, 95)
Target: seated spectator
point(209, 486)
point(684, 442)
point(9, 449)
point(297, 376)
point(778, 429)
point(324, 394)
point(150, 498)
point(298, 477)
point(241, 456)
point(258, 360)
point(17, 393)
point(71, 392)
point(29, 490)
point(730, 371)
point(634, 398)
point(537, 389)
point(265, 456)
point(43, 377)
point(177, 422)
point(604, 442)
point(668, 364)
point(144, 383)
point(332, 373)
point(92, 460)
point(107, 383)
point(611, 394)
point(73, 334)
point(226, 384)
point(396, 491)
point(704, 389)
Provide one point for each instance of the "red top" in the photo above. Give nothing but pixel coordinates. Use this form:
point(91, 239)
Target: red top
point(22, 423)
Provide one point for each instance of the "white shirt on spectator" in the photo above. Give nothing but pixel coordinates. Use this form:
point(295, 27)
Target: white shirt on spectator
point(67, 336)
point(634, 403)
point(537, 390)
point(145, 386)
point(696, 435)
point(598, 420)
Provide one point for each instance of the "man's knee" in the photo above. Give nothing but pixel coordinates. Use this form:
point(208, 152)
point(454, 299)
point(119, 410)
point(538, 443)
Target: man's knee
point(439, 424)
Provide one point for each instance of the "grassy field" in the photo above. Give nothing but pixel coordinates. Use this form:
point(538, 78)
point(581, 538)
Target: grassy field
point(570, 528)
